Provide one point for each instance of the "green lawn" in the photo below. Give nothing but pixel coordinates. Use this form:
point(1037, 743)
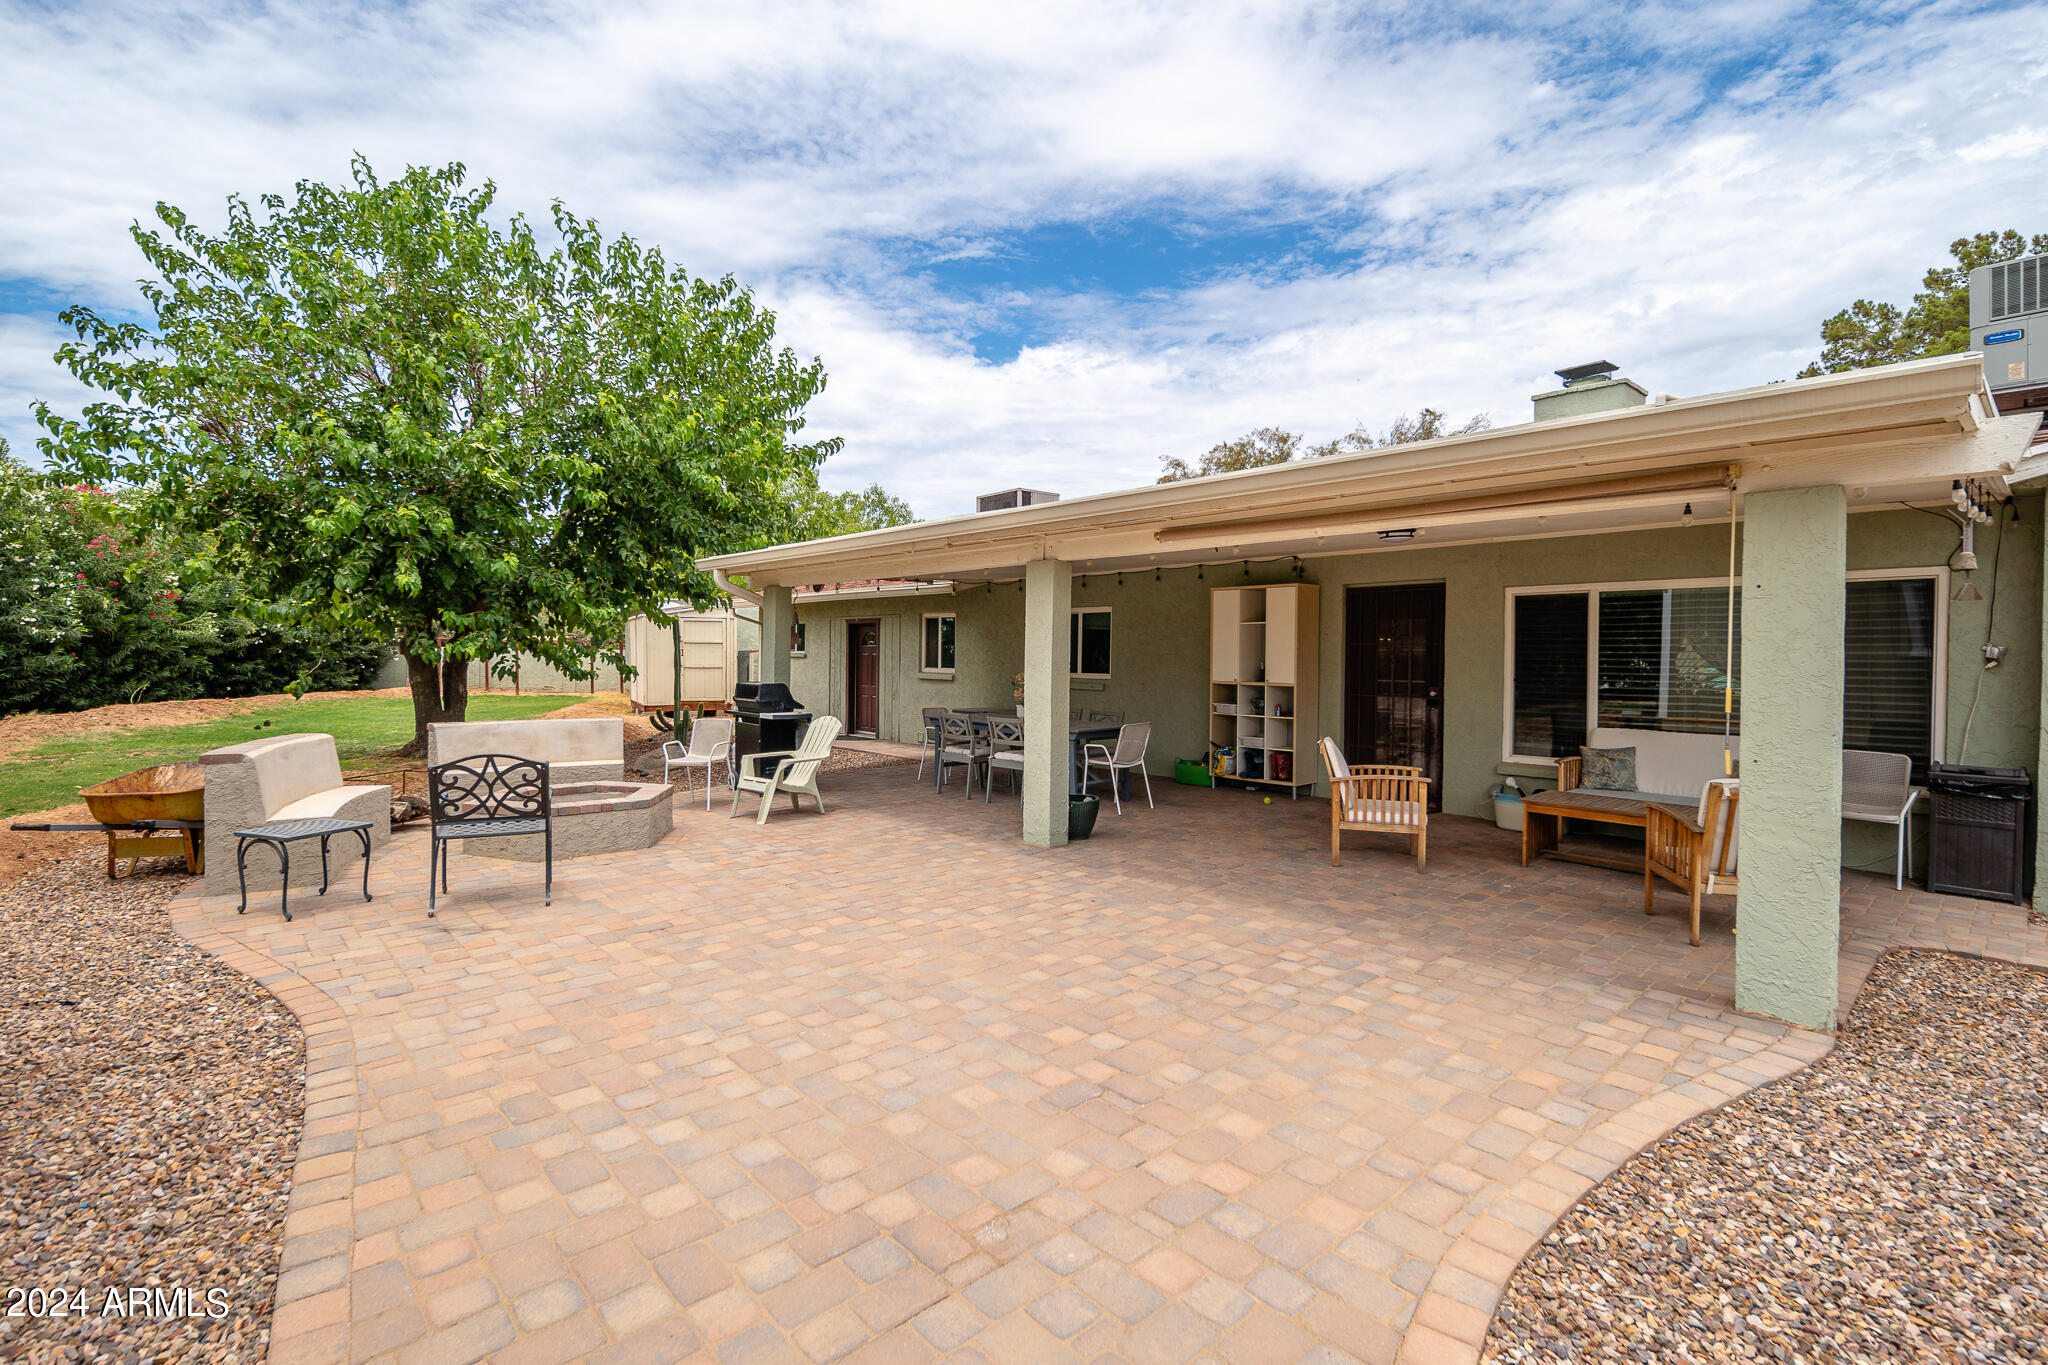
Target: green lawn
point(363, 728)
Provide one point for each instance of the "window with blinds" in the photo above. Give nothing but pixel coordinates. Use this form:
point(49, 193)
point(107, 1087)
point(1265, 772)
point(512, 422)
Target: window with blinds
point(1658, 661)
point(1664, 658)
point(1888, 679)
point(1549, 674)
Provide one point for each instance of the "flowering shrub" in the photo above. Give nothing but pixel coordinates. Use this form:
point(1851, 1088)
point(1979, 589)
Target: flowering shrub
point(93, 611)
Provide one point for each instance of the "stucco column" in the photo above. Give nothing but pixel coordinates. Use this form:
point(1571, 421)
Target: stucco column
point(776, 617)
point(1048, 603)
point(1794, 559)
point(2041, 759)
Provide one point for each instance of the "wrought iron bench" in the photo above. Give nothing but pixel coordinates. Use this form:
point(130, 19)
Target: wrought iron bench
point(489, 796)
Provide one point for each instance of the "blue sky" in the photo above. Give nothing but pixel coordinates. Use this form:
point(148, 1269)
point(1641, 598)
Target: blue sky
point(1053, 244)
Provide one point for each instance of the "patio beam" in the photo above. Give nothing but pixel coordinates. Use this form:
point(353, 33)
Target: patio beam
point(1794, 560)
point(778, 615)
point(1048, 604)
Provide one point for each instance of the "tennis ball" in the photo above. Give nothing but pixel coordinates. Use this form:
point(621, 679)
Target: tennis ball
point(1269, 800)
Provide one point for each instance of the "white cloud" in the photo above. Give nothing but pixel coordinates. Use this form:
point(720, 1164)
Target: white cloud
point(1516, 203)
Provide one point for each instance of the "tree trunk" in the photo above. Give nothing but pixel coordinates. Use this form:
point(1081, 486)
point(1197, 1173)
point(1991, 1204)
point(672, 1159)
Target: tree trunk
point(440, 692)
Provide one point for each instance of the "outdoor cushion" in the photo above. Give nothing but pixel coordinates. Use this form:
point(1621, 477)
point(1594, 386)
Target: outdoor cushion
point(1668, 760)
point(1382, 812)
point(1607, 770)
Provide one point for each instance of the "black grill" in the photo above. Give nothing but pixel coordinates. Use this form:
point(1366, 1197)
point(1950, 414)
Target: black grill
point(768, 719)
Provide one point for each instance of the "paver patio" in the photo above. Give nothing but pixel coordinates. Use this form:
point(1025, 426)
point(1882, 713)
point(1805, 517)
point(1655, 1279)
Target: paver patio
point(887, 1084)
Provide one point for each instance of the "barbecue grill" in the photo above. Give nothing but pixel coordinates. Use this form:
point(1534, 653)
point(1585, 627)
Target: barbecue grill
point(769, 720)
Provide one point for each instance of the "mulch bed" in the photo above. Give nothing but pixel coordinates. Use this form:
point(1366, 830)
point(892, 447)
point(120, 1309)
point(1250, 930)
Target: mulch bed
point(150, 1108)
point(1889, 1203)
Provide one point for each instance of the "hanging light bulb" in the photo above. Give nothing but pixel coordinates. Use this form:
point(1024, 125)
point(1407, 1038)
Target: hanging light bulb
point(1966, 560)
point(1685, 517)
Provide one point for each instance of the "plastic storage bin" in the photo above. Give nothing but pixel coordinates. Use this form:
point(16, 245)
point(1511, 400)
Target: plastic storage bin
point(1977, 838)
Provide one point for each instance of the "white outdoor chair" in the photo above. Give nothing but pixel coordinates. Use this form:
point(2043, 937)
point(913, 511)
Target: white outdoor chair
point(929, 740)
point(791, 772)
point(1877, 788)
point(710, 744)
point(1005, 753)
point(960, 746)
point(1131, 742)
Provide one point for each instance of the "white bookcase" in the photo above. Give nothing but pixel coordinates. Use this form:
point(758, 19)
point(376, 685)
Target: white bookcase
point(1262, 682)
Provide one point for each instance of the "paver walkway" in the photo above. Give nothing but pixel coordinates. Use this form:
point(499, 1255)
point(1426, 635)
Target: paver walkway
point(888, 1085)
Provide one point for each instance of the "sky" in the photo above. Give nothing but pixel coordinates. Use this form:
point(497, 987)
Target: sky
point(1050, 245)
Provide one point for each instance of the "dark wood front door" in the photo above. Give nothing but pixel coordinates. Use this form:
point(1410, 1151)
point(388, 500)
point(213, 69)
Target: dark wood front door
point(1394, 679)
point(863, 676)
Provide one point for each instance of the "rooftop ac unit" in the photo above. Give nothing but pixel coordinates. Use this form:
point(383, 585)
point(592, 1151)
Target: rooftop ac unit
point(1013, 497)
point(2008, 323)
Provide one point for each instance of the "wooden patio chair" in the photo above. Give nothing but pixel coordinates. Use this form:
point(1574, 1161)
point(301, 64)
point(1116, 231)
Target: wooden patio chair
point(1379, 798)
point(1692, 849)
point(790, 772)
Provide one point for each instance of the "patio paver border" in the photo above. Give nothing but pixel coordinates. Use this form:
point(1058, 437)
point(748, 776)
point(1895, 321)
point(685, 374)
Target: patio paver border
point(309, 1319)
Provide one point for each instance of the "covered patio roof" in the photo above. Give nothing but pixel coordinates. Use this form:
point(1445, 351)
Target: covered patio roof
point(1892, 434)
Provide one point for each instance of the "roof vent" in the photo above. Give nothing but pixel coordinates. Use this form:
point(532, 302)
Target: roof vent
point(1013, 497)
point(1592, 387)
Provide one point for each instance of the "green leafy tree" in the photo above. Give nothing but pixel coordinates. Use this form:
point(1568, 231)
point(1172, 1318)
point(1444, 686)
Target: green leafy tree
point(420, 425)
point(1937, 322)
point(94, 610)
point(820, 514)
point(1271, 445)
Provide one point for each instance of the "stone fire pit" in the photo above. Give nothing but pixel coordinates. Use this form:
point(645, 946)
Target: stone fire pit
point(591, 818)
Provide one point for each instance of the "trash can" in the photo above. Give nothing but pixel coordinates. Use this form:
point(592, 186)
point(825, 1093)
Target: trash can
point(1977, 837)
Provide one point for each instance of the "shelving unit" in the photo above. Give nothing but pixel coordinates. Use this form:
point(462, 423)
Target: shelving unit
point(1262, 681)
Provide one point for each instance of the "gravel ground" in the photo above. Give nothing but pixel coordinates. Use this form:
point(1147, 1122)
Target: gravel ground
point(1889, 1203)
point(150, 1103)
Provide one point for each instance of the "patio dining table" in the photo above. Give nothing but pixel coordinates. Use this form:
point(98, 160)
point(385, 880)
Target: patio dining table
point(1079, 732)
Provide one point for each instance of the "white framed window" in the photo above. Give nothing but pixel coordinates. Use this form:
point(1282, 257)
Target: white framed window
point(1654, 656)
point(940, 631)
point(796, 640)
point(1088, 642)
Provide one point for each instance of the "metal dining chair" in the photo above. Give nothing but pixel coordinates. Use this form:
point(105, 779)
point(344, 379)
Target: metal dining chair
point(1131, 743)
point(960, 746)
point(1006, 752)
point(930, 738)
point(710, 744)
point(1878, 788)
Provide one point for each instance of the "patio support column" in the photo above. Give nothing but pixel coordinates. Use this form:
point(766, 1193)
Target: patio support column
point(1048, 604)
point(777, 616)
point(1794, 561)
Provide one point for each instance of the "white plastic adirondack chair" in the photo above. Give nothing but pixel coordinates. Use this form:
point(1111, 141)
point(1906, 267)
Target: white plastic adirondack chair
point(791, 772)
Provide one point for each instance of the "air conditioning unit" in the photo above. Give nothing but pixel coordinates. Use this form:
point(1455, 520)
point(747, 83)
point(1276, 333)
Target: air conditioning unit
point(2008, 324)
point(1013, 497)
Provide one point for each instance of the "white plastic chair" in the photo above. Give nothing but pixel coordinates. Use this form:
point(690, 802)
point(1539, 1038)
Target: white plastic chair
point(710, 744)
point(1877, 788)
point(789, 772)
point(1131, 743)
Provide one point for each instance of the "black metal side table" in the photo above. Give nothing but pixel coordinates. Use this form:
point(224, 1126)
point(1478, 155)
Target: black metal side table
point(281, 836)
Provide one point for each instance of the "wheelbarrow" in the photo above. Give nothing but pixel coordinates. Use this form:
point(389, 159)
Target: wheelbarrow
point(151, 812)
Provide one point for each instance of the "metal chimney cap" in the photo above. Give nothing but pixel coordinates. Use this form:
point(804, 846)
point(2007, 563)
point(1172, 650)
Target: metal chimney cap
point(1579, 374)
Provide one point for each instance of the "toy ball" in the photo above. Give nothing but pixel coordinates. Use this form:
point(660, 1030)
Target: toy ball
point(1269, 800)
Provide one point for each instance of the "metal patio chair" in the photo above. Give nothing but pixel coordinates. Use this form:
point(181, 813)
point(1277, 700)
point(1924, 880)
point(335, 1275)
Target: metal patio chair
point(929, 740)
point(1005, 753)
point(710, 744)
point(961, 745)
point(1877, 788)
point(489, 796)
point(1131, 743)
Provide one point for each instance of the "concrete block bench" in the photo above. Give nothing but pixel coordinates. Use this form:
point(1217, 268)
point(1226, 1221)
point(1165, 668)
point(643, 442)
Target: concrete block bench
point(282, 777)
point(591, 749)
point(592, 818)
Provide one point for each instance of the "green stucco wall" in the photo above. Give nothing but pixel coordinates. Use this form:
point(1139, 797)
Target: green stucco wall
point(1792, 622)
point(1160, 641)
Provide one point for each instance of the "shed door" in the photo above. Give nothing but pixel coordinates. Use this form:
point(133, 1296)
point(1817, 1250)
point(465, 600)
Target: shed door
point(1394, 679)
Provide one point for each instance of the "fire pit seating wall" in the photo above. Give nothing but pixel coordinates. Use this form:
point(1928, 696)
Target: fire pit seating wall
point(283, 777)
point(1670, 766)
point(586, 750)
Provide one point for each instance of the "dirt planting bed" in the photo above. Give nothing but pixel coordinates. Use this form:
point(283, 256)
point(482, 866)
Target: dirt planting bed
point(1890, 1203)
point(150, 1108)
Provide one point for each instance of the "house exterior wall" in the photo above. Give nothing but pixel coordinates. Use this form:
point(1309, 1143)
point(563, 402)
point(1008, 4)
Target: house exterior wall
point(1160, 640)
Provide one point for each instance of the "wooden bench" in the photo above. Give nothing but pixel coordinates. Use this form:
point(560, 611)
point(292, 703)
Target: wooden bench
point(1671, 768)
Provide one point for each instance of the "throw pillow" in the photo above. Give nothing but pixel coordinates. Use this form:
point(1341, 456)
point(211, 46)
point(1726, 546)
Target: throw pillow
point(1608, 770)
